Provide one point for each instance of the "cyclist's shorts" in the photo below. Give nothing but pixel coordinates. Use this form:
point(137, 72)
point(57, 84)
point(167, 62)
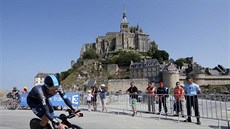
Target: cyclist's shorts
point(133, 101)
point(38, 109)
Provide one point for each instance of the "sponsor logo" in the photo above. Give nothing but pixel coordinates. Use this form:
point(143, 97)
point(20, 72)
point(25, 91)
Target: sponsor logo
point(76, 99)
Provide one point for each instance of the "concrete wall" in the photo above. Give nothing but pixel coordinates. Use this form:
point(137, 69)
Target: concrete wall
point(124, 84)
point(209, 80)
point(3, 97)
point(217, 80)
point(169, 80)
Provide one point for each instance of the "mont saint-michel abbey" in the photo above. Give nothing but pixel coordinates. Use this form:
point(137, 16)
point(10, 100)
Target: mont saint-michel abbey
point(134, 39)
point(129, 38)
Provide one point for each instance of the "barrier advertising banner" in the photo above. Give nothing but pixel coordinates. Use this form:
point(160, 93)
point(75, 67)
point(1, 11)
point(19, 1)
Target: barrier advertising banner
point(56, 100)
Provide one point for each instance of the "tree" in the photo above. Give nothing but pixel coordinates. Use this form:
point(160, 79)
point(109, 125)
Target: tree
point(179, 62)
point(111, 60)
point(90, 54)
point(155, 53)
point(160, 55)
point(125, 58)
point(164, 55)
point(152, 49)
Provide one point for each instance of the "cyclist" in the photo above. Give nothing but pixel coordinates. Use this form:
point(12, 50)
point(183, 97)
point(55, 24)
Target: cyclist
point(38, 101)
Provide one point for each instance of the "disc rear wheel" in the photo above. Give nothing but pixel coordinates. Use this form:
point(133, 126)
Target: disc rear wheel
point(35, 124)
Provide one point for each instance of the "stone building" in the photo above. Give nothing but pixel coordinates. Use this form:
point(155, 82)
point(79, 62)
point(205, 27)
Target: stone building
point(39, 78)
point(170, 74)
point(150, 69)
point(129, 38)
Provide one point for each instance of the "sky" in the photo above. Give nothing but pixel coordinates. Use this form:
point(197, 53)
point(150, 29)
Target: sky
point(45, 35)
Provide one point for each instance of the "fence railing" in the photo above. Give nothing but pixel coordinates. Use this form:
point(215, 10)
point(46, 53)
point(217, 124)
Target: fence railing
point(210, 106)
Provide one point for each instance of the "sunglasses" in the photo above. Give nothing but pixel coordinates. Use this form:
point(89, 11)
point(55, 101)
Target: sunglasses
point(53, 88)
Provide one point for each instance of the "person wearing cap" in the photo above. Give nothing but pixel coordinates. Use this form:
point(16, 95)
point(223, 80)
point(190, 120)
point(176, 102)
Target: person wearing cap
point(102, 94)
point(162, 92)
point(24, 91)
point(191, 91)
point(89, 97)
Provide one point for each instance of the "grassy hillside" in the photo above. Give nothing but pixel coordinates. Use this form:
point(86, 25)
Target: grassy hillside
point(79, 74)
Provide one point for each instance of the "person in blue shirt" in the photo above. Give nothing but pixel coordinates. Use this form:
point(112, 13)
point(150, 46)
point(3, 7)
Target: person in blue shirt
point(191, 91)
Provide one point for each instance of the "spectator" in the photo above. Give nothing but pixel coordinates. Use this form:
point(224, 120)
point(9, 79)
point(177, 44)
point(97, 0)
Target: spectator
point(15, 90)
point(162, 92)
point(102, 93)
point(25, 90)
point(15, 93)
point(179, 97)
point(191, 91)
point(132, 90)
point(94, 99)
point(150, 90)
point(89, 97)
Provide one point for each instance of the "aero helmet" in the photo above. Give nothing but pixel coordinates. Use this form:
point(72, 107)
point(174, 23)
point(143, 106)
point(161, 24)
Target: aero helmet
point(51, 82)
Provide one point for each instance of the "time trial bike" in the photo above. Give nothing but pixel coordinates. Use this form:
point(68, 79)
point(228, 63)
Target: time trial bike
point(35, 122)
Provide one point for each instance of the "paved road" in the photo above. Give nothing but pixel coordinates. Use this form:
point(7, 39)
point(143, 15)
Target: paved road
point(19, 119)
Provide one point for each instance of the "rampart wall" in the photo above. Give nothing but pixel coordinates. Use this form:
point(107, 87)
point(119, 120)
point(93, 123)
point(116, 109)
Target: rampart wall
point(123, 84)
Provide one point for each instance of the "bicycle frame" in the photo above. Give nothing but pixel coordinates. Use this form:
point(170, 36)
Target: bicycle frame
point(65, 118)
point(34, 123)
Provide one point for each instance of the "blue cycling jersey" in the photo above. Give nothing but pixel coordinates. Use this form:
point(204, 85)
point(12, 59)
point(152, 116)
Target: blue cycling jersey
point(39, 97)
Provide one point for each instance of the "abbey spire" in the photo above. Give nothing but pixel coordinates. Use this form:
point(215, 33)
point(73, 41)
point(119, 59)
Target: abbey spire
point(124, 27)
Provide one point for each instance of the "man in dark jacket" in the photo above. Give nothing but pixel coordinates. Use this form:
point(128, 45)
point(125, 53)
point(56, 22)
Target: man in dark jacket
point(162, 93)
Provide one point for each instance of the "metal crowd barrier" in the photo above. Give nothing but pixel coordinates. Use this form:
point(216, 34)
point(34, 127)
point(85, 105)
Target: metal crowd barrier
point(211, 106)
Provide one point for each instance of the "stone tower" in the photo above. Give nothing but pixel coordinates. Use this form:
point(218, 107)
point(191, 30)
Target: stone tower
point(198, 76)
point(170, 75)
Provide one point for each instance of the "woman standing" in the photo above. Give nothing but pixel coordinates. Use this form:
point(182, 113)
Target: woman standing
point(102, 93)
